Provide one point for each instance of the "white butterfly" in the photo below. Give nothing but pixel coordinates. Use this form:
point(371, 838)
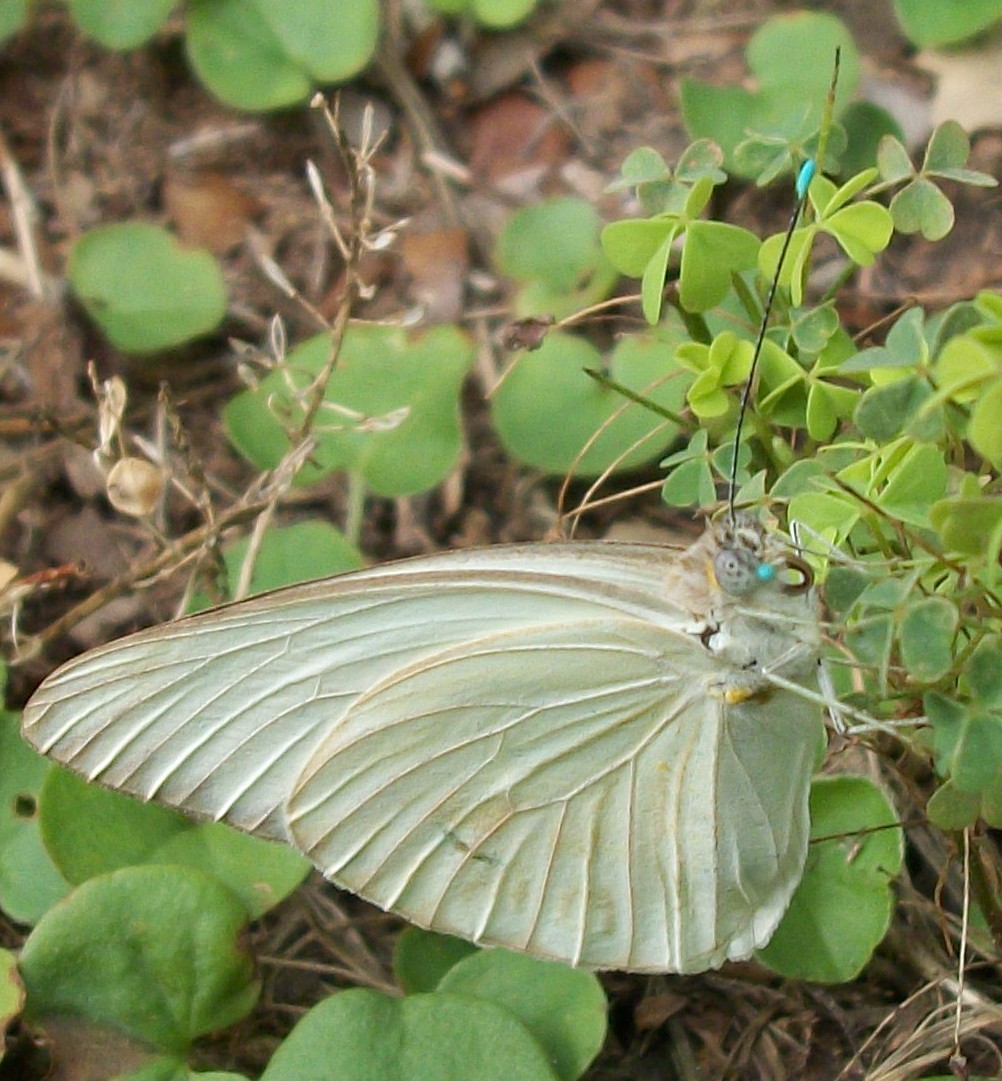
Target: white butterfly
point(574, 750)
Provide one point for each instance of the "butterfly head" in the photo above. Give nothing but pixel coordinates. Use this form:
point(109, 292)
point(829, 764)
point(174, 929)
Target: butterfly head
point(747, 557)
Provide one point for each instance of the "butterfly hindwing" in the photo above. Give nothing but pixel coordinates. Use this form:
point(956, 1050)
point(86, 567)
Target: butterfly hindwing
point(598, 805)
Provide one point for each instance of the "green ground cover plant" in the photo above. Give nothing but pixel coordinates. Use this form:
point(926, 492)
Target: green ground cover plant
point(255, 55)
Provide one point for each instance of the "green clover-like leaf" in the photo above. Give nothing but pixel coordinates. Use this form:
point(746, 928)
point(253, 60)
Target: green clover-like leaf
point(712, 252)
point(985, 428)
point(862, 230)
point(893, 161)
point(922, 208)
point(631, 245)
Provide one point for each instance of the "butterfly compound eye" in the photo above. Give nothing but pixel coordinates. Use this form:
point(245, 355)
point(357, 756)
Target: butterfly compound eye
point(738, 571)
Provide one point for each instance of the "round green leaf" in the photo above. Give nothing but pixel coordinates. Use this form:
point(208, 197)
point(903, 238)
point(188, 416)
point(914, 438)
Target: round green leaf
point(827, 404)
point(724, 114)
point(392, 412)
point(555, 241)
point(153, 951)
point(331, 39)
point(261, 873)
point(952, 809)
point(564, 1008)
point(553, 248)
point(914, 484)
point(288, 555)
point(963, 524)
point(296, 553)
point(822, 413)
point(701, 158)
point(726, 362)
point(143, 289)
point(968, 746)
point(790, 57)
point(502, 13)
point(885, 411)
point(945, 21)
point(121, 24)
point(795, 52)
point(815, 330)
point(985, 428)
point(964, 367)
point(927, 638)
point(90, 831)
point(829, 514)
point(689, 485)
point(29, 883)
point(238, 57)
point(949, 145)
point(13, 15)
point(421, 958)
point(266, 54)
point(984, 671)
point(361, 1035)
point(843, 587)
point(645, 165)
point(547, 409)
point(843, 905)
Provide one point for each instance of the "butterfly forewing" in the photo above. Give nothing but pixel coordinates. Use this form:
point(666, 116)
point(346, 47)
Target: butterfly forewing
point(217, 714)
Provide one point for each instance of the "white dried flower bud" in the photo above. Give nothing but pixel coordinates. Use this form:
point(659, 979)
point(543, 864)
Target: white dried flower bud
point(134, 486)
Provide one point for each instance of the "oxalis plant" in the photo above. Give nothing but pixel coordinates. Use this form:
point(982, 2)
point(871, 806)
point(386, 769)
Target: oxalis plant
point(885, 457)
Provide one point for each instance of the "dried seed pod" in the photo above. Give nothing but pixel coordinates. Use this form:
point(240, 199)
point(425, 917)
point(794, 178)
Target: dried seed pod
point(134, 486)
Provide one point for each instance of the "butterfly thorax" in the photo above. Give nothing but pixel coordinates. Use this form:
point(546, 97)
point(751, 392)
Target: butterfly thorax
point(752, 603)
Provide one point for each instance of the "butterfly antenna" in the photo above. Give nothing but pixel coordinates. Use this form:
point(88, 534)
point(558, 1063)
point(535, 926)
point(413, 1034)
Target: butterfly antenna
point(804, 178)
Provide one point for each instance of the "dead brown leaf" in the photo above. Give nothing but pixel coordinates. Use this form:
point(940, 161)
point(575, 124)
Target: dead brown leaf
point(516, 143)
point(84, 1050)
point(437, 261)
point(600, 91)
point(208, 211)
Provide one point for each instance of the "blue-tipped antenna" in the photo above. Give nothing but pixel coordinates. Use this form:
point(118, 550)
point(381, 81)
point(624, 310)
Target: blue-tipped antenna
point(804, 178)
